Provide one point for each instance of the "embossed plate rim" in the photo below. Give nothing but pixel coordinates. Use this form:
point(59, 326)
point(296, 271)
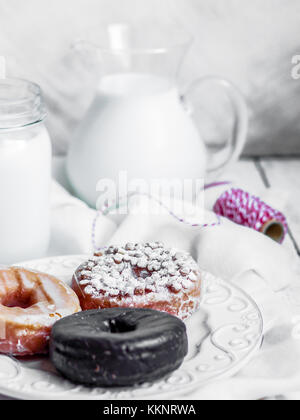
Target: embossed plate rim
point(162, 389)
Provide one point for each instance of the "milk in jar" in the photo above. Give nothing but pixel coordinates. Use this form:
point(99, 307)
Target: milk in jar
point(25, 172)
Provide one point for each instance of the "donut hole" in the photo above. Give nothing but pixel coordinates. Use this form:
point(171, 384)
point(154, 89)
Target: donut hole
point(22, 300)
point(119, 326)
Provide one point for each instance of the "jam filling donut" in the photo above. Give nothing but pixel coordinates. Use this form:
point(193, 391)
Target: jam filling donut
point(118, 347)
point(140, 276)
point(30, 303)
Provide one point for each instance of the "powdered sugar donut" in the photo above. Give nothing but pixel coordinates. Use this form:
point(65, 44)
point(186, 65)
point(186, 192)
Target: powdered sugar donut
point(140, 276)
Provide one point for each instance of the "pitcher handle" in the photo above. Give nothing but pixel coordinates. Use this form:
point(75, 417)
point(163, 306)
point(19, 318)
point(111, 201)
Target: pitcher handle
point(241, 119)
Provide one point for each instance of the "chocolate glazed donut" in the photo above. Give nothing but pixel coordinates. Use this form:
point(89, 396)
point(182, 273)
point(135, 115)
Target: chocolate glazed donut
point(118, 347)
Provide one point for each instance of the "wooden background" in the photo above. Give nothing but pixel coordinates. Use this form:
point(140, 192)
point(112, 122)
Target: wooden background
point(250, 42)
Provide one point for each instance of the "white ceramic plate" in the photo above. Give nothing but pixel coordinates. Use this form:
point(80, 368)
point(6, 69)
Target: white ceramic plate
point(222, 337)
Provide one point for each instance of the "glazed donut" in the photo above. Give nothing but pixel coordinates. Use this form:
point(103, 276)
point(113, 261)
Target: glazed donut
point(118, 347)
point(140, 276)
point(30, 303)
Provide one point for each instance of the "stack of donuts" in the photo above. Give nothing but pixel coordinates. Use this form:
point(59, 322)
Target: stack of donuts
point(121, 324)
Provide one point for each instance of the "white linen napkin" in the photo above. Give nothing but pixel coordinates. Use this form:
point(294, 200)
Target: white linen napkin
point(226, 251)
point(275, 369)
point(256, 263)
point(72, 222)
point(232, 250)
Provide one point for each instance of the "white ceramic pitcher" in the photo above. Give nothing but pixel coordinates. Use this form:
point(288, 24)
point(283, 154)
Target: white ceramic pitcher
point(139, 122)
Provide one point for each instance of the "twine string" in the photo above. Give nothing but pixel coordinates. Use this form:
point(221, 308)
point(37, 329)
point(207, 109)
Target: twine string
point(107, 209)
point(235, 204)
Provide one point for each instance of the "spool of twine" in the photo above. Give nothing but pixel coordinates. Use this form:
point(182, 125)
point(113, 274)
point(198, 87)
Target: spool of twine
point(250, 211)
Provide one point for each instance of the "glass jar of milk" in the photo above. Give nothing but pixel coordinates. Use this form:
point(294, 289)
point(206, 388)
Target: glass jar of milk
point(25, 172)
